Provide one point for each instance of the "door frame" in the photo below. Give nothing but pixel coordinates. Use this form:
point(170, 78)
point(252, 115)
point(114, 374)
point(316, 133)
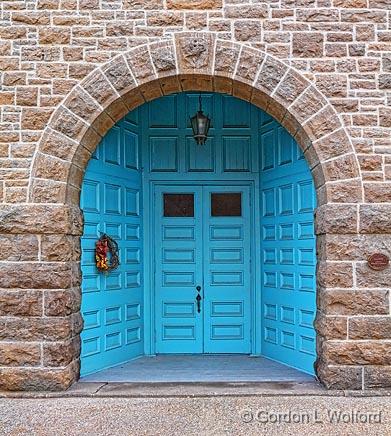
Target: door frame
point(255, 258)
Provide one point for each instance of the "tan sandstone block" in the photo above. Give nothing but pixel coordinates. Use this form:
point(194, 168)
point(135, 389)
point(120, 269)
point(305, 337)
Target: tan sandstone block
point(35, 119)
point(163, 58)
point(143, 4)
point(55, 144)
point(308, 44)
point(291, 87)
point(377, 377)
point(377, 192)
point(194, 52)
point(246, 11)
point(342, 168)
point(375, 218)
point(54, 35)
point(62, 302)
point(323, 123)
point(357, 352)
point(336, 218)
point(68, 124)
point(331, 327)
point(226, 57)
point(194, 4)
point(353, 302)
point(20, 302)
point(48, 167)
point(196, 20)
point(53, 379)
point(338, 376)
point(248, 30)
point(20, 354)
point(18, 247)
point(59, 248)
point(165, 18)
point(308, 104)
point(335, 274)
point(37, 275)
point(27, 96)
point(368, 278)
point(352, 247)
point(378, 327)
point(16, 219)
point(36, 329)
point(347, 191)
point(61, 353)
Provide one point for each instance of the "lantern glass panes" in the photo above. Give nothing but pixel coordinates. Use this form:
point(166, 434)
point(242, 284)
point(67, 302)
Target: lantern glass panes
point(200, 124)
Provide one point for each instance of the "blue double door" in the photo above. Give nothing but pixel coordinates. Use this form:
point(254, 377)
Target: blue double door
point(202, 269)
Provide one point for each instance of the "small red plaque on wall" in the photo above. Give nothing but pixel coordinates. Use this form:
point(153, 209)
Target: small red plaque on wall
point(378, 261)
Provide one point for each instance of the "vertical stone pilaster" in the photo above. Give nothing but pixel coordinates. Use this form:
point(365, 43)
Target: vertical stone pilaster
point(40, 319)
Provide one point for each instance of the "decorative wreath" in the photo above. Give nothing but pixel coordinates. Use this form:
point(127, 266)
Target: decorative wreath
point(103, 246)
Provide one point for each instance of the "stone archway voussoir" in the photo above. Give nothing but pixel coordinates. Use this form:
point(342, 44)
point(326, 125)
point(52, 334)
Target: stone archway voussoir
point(67, 123)
point(80, 103)
point(226, 57)
point(249, 65)
point(164, 58)
point(140, 63)
point(307, 104)
point(322, 123)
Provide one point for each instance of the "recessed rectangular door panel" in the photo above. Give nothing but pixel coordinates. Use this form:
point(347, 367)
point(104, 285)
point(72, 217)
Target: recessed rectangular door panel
point(226, 264)
point(178, 269)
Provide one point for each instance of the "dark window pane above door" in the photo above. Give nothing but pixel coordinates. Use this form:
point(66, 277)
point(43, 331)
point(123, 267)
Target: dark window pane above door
point(178, 205)
point(226, 204)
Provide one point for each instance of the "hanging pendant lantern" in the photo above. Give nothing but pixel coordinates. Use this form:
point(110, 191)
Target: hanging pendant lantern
point(200, 124)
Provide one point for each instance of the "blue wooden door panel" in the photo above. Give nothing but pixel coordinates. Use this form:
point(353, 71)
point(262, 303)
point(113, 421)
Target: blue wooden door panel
point(230, 152)
point(112, 303)
point(227, 275)
point(177, 272)
point(288, 250)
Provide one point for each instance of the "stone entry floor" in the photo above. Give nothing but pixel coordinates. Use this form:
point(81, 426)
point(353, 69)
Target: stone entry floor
point(199, 368)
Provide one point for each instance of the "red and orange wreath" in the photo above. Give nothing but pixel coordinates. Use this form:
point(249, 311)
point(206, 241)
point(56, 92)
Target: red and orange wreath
point(106, 253)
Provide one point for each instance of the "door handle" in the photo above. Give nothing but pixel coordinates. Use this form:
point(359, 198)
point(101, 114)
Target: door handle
point(198, 299)
point(198, 288)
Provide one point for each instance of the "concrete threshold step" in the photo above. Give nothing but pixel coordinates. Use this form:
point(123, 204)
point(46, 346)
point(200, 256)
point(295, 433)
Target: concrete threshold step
point(195, 389)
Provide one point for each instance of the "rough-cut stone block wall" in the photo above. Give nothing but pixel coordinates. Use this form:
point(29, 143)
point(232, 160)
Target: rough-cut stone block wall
point(69, 69)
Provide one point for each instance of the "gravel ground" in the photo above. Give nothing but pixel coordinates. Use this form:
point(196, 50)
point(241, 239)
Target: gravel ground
point(218, 415)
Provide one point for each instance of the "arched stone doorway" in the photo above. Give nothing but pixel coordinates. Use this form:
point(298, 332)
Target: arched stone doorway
point(196, 62)
point(230, 222)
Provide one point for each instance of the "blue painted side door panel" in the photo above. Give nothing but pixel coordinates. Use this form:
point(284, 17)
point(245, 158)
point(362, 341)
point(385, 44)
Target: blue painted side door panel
point(112, 303)
point(288, 250)
point(212, 252)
